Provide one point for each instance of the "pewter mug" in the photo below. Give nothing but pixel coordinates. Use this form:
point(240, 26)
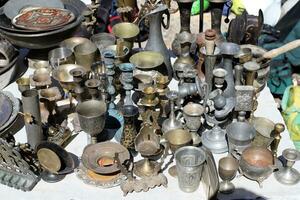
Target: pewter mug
point(189, 164)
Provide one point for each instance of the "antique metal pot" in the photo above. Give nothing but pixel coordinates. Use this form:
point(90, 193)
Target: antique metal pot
point(257, 163)
point(60, 56)
point(64, 76)
point(215, 140)
point(171, 123)
point(184, 61)
point(240, 135)
point(92, 116)
point(147, 141)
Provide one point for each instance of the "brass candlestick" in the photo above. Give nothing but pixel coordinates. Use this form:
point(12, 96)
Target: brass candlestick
point(279, 128)
point(251, 69)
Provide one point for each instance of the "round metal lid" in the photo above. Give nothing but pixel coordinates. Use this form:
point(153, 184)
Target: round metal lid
point(49, 160)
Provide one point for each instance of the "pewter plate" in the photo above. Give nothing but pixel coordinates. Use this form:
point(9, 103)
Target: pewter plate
point(41, 19)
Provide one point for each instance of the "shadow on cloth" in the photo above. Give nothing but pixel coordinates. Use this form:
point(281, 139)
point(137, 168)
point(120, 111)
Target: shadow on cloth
point(241, 194)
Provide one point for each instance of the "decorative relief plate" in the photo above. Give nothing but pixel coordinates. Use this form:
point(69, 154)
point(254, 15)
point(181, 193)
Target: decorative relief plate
point(40, 18)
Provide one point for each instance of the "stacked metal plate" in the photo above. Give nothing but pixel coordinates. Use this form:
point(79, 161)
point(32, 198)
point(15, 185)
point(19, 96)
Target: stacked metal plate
point(39, 38)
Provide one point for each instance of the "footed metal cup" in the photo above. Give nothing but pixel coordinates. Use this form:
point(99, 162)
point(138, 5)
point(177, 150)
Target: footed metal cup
point(192, 114)
point(92, 116)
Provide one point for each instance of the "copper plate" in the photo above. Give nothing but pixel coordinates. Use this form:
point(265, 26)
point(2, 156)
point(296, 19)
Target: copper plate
point(100, 157)
point(39, 18)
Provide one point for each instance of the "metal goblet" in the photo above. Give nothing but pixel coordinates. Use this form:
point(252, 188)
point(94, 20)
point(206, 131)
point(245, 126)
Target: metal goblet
point(192, 114)
point(92, 116)
point(228, 167)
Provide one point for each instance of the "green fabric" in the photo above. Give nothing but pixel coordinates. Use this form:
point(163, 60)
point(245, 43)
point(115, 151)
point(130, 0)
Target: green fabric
point(196, 7)
point(291, 113)
point(237, 7)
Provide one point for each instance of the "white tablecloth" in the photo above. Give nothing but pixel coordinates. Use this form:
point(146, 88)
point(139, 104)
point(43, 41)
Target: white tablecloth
point(73, 188)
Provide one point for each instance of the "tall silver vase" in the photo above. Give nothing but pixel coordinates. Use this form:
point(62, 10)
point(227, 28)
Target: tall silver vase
point(155, 40)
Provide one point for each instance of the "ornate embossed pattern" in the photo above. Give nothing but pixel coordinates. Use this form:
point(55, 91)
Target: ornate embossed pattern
point(43, 18)
point(244, 98)
point(129, 133)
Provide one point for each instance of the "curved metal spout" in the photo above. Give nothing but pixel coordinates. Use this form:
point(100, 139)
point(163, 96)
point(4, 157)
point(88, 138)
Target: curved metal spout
point(155, 40)
point(229, 91)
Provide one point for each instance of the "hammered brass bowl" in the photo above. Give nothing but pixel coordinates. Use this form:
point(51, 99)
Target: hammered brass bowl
point(126, 30)
point(178, 138)
point(147, 60)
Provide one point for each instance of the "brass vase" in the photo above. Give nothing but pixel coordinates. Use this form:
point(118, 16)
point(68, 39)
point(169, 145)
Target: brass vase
point(129, 132)
point(216, 17)
point(185, 7)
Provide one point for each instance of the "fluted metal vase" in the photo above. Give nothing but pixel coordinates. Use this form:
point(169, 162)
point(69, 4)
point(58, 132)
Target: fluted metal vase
point(185, 7)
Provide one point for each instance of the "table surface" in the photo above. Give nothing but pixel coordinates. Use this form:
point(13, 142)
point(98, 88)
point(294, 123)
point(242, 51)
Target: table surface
point(73, 188)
